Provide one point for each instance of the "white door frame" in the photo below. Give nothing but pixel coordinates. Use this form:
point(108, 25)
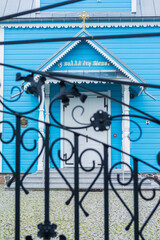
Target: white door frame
point(109, 131)
point(125, 127)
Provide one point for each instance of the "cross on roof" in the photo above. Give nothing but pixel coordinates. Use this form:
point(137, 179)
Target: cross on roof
point(84, 16)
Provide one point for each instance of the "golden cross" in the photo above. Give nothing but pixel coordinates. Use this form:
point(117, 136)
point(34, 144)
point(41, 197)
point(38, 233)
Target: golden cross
point(84, 16)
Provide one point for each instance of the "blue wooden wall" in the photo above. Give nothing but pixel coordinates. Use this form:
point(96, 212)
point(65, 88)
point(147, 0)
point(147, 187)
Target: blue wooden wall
point(141, 55)
point(91, 5)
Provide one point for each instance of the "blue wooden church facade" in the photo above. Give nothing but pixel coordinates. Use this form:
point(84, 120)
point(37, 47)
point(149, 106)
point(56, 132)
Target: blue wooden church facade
point(132, 59)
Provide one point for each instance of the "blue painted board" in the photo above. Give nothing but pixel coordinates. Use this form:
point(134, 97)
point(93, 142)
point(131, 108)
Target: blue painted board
point(91, 5)
point(141, 55)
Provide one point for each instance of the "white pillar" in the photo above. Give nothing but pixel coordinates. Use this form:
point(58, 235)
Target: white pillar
point(1, 86)
point(41, 129)
point(47, 101)
point(125, 126)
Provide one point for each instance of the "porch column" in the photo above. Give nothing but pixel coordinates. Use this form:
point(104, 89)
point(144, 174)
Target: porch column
point(47, 101)
point(125, 125)
point(41, 129)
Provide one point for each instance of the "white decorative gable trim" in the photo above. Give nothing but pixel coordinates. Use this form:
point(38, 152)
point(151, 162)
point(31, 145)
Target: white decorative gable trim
point(110, 59)
point(61, 55)
point(79, 25)
point(99, 48)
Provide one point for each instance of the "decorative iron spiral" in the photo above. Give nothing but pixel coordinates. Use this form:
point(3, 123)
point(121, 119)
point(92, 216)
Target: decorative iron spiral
point(122, 184)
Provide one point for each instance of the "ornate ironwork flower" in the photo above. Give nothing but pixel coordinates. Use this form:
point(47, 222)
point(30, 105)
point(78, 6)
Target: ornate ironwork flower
point(47, 230)
point(100, 121)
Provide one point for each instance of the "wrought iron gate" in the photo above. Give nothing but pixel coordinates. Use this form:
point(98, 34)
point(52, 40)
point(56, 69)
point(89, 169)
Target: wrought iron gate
point(100, 121)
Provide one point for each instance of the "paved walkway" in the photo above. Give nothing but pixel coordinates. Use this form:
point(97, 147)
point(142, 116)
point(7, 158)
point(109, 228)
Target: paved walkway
point(91, 228)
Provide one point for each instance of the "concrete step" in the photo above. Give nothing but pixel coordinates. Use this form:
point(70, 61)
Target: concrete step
point(36, 180)
point(59, 186)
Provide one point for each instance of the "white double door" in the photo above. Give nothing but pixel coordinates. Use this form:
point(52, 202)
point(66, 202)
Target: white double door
point(82, 113)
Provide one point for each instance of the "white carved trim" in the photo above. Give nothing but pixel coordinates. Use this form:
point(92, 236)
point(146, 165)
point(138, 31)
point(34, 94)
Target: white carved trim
point(79, 25)
point(115, 62)
point(110, 59)
point(74, 81)
point(61, 55)
point(1, 87)
point(49, 81)
point(134, 6)
point(41, 129)
point(98, 49)
point(125, 126)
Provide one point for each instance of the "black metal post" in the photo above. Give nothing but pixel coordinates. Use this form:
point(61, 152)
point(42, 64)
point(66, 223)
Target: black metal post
point(76, 188)
point(106, 195)
point(17, 179)
point(47, 177)
point(136, 204)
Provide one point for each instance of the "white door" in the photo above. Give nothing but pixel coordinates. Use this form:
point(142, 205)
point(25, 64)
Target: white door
point(91, 106)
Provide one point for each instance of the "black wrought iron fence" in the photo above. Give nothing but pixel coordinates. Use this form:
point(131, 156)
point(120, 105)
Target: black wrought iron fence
point(99, 121)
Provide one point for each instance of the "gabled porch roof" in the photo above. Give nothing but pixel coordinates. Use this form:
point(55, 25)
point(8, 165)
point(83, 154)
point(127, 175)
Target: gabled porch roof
point(122, 70)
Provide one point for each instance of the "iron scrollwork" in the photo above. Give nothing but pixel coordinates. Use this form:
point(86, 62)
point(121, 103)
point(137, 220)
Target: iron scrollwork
point(64, 95)
point(99, 121)
point(140, 190)
point(33, 88)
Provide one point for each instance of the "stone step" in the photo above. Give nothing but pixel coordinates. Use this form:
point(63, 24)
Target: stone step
point(36, 180)
point(71, 180)
point(59, 186)
point(81, 175)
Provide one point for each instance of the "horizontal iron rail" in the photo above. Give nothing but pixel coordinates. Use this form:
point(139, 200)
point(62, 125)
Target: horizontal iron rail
point(47, 40)
point(96, 79)
point(105, 80)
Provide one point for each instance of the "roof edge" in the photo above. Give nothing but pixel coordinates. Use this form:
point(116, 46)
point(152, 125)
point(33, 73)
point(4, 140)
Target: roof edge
point(65, 18)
